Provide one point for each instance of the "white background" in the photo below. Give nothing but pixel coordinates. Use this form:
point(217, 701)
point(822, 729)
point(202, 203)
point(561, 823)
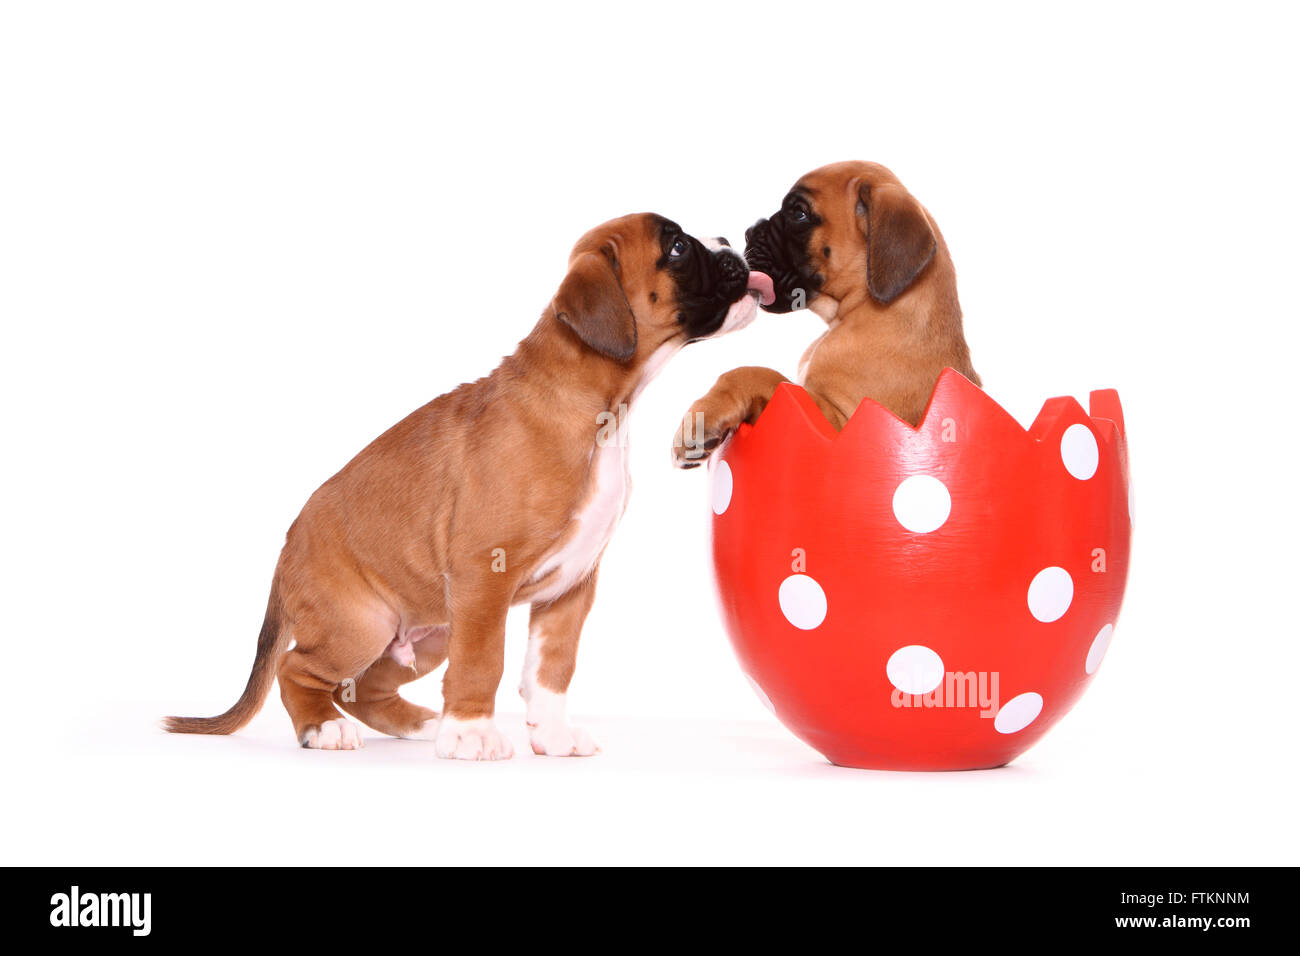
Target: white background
point(239, 240)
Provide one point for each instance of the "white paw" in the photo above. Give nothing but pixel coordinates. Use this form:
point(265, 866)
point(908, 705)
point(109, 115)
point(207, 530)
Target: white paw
point(337, 734)
point(558, 739)
point(476, 739)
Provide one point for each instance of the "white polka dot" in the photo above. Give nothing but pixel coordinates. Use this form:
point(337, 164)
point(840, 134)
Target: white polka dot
point(722, 485)
point(915, 669)
point(1079, 451)
point(767, 701)
point(1018, 713)
point(922, 503)
point(1098, 649)
point(1050, 594)
point(803, 602)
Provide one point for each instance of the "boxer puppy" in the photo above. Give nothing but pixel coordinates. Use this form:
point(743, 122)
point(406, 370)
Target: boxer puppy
point(853, 245)
point(501, 492)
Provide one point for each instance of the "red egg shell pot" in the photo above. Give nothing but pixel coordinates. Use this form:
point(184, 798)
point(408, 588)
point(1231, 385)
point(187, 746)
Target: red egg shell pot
point(923, 599)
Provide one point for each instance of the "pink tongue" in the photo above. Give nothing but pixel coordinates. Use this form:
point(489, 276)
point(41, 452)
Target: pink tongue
point(761, 283)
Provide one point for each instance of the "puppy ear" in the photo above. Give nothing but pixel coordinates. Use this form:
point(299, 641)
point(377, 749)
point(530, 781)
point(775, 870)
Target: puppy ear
point(900, 242)
point(591, 301)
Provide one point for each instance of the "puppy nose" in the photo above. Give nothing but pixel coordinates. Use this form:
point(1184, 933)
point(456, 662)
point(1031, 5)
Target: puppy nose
point(754, 231)
point(733, 268)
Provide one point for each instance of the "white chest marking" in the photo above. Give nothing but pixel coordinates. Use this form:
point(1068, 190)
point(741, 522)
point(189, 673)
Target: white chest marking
point(611, 485)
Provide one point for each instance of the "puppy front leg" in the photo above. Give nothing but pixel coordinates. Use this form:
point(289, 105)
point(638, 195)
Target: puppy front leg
point(738, 396)
point(476, 657)
point(553, 631)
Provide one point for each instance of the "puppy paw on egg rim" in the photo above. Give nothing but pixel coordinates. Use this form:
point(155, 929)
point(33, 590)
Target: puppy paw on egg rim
point(929, 598)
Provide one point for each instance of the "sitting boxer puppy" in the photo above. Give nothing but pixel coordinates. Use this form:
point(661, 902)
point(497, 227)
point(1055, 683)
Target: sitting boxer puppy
point(850, 243)
point(503, 491)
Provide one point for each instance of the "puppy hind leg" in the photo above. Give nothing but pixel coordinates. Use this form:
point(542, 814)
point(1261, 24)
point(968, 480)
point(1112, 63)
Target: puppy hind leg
point(306, 696)
point(373, 698)
point(332, 645)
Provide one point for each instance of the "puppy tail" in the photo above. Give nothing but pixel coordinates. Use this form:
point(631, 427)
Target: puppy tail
point(271, 645)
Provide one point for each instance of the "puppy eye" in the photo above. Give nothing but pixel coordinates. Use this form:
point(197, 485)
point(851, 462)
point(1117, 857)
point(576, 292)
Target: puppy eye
point(678, 250)
point(798, 214)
